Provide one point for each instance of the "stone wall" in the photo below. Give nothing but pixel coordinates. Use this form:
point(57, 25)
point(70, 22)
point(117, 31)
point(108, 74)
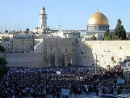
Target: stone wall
point(58, 51)
point(24, 59)
point(63, 51)
point(104, 51)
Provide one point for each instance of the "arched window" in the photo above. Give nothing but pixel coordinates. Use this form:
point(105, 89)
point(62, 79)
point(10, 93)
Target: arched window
point(91, 27)
point(100, 27)
point(105, 27)
point(95, 27)
point(88, 27)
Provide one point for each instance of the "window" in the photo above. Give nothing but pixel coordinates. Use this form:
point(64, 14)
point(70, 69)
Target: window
point(95, 27)
point(59, 50)
point(89, 27)
point(73, 43)
point(100, 28)
point(73, 50)
point(51, 48)
point(101, 36)
point(106, 27)
point(65, 50)
point(31, 46)
point(81, 52)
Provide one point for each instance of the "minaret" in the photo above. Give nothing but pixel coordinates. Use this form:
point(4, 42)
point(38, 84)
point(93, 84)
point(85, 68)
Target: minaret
point(42, 18)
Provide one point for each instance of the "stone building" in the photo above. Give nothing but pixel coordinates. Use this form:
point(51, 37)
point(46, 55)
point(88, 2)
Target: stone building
point(23, 45)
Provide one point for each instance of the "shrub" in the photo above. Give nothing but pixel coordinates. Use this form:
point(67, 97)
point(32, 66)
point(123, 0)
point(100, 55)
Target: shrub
point(2, 49)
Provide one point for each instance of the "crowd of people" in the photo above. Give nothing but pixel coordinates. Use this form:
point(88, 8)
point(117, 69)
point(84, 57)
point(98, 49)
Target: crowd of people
point(60, 82)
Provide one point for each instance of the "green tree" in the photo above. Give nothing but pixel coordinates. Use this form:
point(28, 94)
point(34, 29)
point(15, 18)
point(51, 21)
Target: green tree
point(27, 30)
point(128, 37)
point(94, 37)
point(123, 33)
point(116, 34)
point(106, 35)
point(3, 67)
point(2, 49)
point(110, 36)
point(3, 61)
point(119, 32)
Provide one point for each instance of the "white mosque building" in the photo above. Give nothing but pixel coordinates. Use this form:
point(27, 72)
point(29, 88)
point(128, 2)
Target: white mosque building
point(97, 25)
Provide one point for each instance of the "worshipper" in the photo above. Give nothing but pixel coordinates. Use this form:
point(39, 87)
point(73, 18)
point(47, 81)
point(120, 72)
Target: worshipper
point(39, 82)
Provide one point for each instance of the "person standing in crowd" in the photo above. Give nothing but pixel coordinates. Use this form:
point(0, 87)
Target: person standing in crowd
point(41, 82)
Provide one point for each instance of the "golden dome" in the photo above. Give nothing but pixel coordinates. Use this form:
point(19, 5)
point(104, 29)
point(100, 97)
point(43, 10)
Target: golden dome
point(98, 19)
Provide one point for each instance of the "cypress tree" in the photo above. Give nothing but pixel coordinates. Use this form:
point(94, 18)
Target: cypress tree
point(2, 49)
point(123, 33)
point(128, 38)
point(3, 67)
point(106, 34)
point(119, 32)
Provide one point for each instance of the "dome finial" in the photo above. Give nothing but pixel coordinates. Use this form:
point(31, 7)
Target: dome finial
point(43, 8)
point(98, 9)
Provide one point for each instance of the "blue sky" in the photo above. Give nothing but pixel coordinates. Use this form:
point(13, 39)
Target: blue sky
point(73, 14)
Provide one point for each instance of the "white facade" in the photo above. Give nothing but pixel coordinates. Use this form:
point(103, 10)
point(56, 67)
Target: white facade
point(5, 35)
point(42, 18)
point(38, 46)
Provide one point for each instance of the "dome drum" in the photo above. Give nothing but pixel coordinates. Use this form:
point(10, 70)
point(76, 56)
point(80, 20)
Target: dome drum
point(97, 27)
